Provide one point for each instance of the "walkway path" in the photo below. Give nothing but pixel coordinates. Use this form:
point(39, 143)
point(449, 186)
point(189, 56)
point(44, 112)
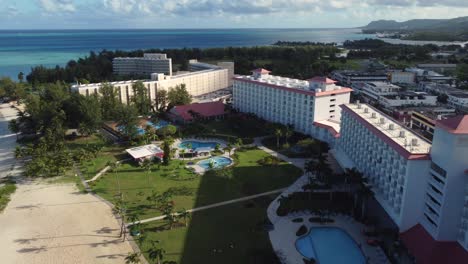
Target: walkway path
point(246, 198)
point(103, 171)
point(7, 139)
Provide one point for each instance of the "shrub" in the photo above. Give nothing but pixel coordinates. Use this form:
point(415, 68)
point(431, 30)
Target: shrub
point(269, 160)
point(301, 231)
point(285, 146)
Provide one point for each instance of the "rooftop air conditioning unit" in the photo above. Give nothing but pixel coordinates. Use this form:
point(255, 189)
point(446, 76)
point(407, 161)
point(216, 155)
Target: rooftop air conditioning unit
point(414, 142)
point(402, 134)
point(382, 120)
point(391, 126)
point(366, 110)
point(373, 115)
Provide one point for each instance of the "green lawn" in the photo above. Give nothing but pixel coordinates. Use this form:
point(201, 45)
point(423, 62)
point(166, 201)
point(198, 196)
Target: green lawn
point(247, 177)
point(234, 231)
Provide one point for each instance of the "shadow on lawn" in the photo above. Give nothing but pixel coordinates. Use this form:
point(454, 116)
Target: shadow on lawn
point(234, 233)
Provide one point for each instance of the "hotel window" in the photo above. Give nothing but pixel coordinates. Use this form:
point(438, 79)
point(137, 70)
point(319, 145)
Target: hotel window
point(332, 100)
point(332, 105)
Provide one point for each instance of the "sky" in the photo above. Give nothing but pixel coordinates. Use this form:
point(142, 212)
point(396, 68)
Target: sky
point(103, 14)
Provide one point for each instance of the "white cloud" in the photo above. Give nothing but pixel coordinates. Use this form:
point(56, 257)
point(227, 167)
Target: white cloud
point(53, 6)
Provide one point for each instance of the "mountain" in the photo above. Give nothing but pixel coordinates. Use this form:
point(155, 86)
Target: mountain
point(424, 29)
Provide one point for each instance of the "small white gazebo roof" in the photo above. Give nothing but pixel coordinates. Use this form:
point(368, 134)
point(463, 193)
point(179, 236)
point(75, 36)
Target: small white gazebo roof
point(144, 151)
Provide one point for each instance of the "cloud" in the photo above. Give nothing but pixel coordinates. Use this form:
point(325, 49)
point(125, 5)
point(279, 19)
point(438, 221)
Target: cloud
point(54, 6)
point(12, 11)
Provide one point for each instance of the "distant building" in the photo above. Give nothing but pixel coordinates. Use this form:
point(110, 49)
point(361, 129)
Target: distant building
point(455, 97)
point(195, 65)
point(423, 119)
point(437, 67)
point(201, 111)
point(423, 75)
point(391, 96)
point(310, 106)
point(352, 77)
point(402, 77)
point(146, 65)
point(197, 83)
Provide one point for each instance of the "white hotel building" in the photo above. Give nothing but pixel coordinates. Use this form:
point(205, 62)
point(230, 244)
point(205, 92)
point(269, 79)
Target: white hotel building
point(420, 185)
point(146, 65)
point(197, 83)
point(311, 107)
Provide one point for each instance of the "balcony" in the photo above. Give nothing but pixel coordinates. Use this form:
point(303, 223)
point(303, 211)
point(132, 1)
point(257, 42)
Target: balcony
point(434, 217)
point(437, 184)
point(434, 206)
point(434, 194)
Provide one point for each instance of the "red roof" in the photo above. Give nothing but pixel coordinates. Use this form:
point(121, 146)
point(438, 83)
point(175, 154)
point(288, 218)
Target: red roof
point(455, 125)
point(426, 250)
point(322, 80)
point(261, 70)
point(204, 109)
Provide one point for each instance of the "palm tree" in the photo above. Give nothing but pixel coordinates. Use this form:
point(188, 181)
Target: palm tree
point(132, 258)
point(185, 215)
point(121, 209)
point(287, 133)
point(114, 166)
point(19, 152)
point(229, 148)
point(170, 217)
point(146, 165)
point(365, 193)
point(278, 134)
point(155, 253)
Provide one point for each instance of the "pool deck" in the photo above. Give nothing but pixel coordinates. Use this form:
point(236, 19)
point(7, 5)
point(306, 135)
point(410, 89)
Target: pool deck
point(283, 237)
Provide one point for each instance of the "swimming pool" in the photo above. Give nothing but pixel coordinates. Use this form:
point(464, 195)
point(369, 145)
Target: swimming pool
point(216, 162)
point(191, 144)
point(329, 245)
point(159, 125)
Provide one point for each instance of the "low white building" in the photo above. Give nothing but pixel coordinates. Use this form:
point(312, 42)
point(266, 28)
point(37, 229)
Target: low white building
point(300, 103)
point(347, 77)
point(145, 152)
point(402, 77)
point(146, 65)
point(197, 83)
point(455, 97)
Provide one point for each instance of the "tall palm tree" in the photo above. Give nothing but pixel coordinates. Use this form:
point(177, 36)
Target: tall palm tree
point(287, 133)
point(114, 167)
point(365, 193)
point(229, 148)
point(170, 217)
point(146, 165)
point(278, 134)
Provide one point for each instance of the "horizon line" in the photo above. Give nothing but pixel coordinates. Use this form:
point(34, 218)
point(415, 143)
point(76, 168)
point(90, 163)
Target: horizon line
point(208, 28)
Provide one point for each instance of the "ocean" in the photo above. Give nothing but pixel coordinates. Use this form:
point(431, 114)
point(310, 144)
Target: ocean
point(22, 49)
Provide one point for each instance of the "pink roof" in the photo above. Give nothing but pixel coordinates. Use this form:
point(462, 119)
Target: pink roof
point(204, 109)
point(454, 125)
point(330, 129)
point(261, 70)
point(426, 250)
point(322, 80)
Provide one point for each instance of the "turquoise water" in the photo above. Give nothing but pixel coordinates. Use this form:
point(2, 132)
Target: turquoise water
point(330, 245)
point(141, 131)
point(22, 49)
point(191, 144)
point(217, 162)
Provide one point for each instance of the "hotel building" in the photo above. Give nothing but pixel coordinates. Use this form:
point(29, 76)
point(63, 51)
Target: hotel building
point(311, 106)
point(197, 83)
point(419, 184)
point(146, 65)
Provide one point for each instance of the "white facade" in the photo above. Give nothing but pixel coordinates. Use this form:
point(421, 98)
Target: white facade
point(414, 181)
point(195, 65)
point(402, 77)
point(390, 156)
point(353, 77)
point(456, 98)
point(290, 101)
point(148, 64)
point(197, 83)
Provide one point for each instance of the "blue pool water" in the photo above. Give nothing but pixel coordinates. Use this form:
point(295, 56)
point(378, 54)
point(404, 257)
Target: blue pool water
point(158, 125)
point(197, 144)
point(218, 162)
point(330, 245)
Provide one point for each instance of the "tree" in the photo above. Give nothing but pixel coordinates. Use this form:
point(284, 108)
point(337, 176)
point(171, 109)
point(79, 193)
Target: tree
point(150, 134)
point(167, 153)
point(109, 100)
point(21, 76)
point(170, 217)
point(114, 166)
point(365, 192)
point(13, 126)
point(120, 209)
point(90, 115)
point(140, 98)
point(185, 215)
point(168, 130)
point(146, 165)
point(161, 100)
point(132, 258)
point(442, 98)
point(127, 121)
point(462, 72)
point(155, 253)
point(287, 133)
point(278, 134)
point(178, 96)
